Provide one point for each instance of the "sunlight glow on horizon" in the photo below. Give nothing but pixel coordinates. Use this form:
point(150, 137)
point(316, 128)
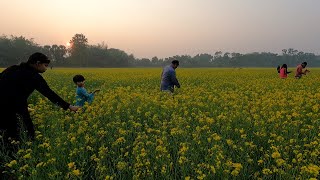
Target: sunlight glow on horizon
point(166, 28)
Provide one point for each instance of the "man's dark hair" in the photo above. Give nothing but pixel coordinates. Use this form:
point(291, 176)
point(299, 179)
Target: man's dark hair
point(305, 63)
point(175, 62)
point(78, 78)
point(38, 58)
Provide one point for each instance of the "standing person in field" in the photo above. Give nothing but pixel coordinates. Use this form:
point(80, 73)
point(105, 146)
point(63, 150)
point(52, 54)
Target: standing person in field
point(17, 83)
point(283, 71)
point(300, 70)
point(82, 94)
point(168, 77)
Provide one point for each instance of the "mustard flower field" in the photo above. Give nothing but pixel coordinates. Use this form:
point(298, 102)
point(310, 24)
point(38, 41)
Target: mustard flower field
point(236, 123)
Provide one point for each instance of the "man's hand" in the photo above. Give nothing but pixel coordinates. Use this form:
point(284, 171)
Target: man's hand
point(73, 108)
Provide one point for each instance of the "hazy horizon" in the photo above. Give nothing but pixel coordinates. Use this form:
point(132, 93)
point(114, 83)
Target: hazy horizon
point(148, 28)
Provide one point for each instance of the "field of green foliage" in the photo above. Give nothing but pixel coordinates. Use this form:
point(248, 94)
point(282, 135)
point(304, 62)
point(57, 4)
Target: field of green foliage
point(234, 123)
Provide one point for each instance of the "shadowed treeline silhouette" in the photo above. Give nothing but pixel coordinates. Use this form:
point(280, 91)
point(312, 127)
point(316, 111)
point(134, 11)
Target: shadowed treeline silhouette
point(14, 49)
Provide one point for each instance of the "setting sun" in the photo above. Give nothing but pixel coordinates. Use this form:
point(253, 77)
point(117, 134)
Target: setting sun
point(68, 44)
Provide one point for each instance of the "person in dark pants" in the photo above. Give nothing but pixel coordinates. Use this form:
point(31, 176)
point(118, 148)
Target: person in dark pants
point(16, 84)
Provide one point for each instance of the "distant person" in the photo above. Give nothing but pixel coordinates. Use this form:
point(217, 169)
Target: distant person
point(283, 71)
point(82, 94)
point(17, 83)
point(301, 70)
point(168, 77)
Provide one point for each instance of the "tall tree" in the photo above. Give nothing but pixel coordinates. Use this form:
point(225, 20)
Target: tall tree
point(16, 49)
point(118, 57)
point(78, 50)
point(203, 59)
point(58, 53)
point(47, 50)
point(98, 56)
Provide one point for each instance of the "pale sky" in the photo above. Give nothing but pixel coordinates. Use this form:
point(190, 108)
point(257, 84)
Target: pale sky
point(163, 28)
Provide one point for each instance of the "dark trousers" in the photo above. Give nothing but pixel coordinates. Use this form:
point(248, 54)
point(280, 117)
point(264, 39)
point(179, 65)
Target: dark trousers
point(9, 123)
point(8, 133)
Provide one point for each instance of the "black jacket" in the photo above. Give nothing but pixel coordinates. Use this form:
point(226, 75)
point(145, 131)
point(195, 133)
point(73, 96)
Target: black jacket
point(16, 84)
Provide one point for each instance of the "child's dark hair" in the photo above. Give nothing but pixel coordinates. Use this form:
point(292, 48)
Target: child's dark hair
point(78, 78)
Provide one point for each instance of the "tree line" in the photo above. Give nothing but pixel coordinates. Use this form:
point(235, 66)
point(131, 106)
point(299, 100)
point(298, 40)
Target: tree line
point(16, 49)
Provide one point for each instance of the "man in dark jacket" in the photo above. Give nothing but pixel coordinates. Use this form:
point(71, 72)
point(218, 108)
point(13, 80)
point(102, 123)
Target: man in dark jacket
point(16, 84)
point(168, 77)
